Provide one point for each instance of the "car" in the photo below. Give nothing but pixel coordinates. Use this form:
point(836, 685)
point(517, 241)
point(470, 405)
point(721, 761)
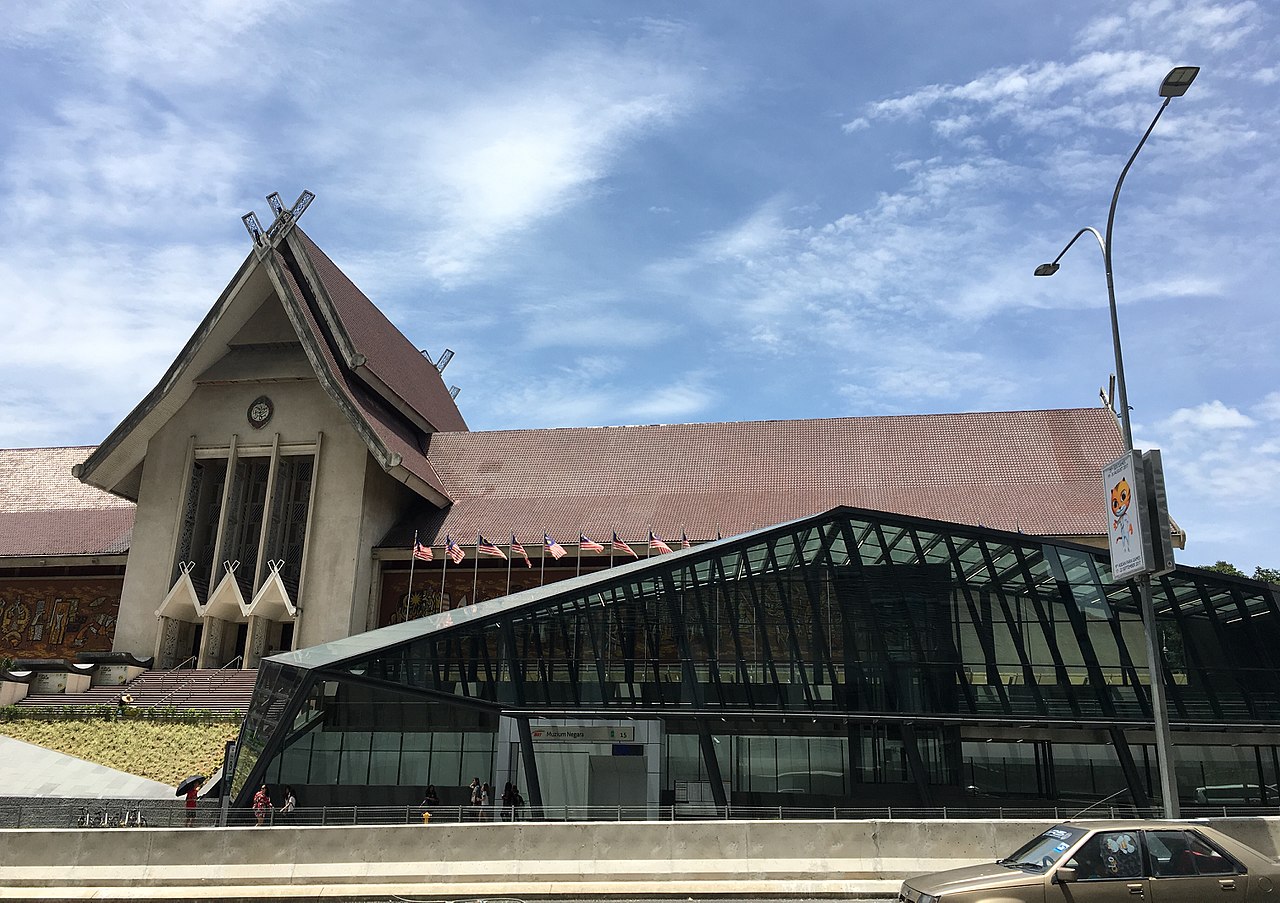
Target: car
point(1109, 862)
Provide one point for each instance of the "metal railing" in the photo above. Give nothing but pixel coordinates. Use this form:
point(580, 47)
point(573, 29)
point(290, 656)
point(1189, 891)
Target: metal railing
point(103, 814)
point(186, 684)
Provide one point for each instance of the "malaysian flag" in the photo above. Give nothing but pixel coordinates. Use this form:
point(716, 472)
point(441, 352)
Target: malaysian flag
point(484, 547)
point(557, 551)
point(517, 549)
point(586, 545)
point(421, 552)
point(658, 545)
point(453, 550)
point(684, 540)
point(617, 545)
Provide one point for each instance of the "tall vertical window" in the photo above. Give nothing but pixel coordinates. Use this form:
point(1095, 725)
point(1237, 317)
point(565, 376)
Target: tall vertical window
point(200, 520)
point(287, 527)
point(245, 511)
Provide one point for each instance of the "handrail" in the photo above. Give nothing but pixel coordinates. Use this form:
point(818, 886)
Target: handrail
point(209, 679)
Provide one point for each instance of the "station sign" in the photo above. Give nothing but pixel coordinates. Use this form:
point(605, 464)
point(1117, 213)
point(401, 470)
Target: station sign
point(584, 734)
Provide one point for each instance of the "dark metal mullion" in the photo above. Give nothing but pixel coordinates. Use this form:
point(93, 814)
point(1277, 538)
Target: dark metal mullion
point(637, 604)
point(1266, 658)
point(854, 674)
point(1015, 631)
point(596, 645)
point(682, 639)
point(712, 761)
point(1080, 627)
point(789, 618)
point(507, 626)
point(700, 612)
point(913, 628)
point(1126, 660)
point(893, 683)
point(954, 650)
point(744, 673)
point(1137, 787)
point(275, 740)
point(1059, 666)
point(758, 606)
point(822, 645)
point(1212, 614)
point(533, 784)
point(490, 673)
point(915, 762)
point(1190, 648)
point(981, 627)
point(572, 661)
point(544, 675)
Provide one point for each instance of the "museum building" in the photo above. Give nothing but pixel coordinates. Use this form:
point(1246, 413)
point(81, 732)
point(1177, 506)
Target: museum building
point(901, 608)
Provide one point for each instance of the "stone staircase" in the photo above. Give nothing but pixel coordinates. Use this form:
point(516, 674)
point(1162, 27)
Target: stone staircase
point(223, 692)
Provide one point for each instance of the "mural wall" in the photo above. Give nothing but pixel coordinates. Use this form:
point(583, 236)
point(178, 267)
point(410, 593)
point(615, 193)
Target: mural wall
point(57, 617)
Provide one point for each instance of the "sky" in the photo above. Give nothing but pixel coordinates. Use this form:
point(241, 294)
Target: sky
point(647, 212)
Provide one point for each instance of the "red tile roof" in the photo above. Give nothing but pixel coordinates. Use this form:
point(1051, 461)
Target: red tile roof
point(391, 429)
point(389, 355)
point(45, 511)
point(1038, 471)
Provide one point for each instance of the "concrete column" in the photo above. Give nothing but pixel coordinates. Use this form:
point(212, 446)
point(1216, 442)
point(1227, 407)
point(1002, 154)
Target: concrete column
point(255, 646)
point(168, 632)
point(211, 643)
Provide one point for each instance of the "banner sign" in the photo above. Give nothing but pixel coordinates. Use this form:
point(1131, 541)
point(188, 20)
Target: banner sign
point(1123, 490)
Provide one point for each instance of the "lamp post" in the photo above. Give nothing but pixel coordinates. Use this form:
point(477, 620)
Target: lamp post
point(1175, 84)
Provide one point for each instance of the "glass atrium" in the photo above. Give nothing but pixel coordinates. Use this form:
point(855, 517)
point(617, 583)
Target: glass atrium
point(849, 659)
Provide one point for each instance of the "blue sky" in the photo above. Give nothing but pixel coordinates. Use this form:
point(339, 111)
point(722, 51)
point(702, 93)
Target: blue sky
point(664, 212)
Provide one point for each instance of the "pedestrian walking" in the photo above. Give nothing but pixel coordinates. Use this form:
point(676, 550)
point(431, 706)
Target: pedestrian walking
point(261, 803)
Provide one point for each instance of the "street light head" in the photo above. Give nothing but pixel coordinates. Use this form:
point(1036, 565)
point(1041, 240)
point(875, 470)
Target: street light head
point(1047, 269)
point(1178, 80)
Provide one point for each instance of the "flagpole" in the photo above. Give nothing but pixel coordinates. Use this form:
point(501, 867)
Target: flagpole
point(611, 545)
point(413, 556)
point(475, 579)
point(510, 554)
point(648, 546)
point(578, 570)
point(443, 571)
point(542, 562)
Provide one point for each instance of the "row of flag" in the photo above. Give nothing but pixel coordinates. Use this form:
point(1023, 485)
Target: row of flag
point(456, 554)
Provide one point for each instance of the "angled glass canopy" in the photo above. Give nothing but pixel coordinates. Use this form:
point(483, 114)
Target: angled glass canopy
point(850, 625)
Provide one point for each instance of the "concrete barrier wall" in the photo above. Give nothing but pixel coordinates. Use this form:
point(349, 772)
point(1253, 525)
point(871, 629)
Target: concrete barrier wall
point(787, 851)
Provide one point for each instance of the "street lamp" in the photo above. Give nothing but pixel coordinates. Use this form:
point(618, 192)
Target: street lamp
point(1175, 84)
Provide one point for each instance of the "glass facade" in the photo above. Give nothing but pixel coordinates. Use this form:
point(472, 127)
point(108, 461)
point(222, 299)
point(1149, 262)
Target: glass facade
point(849, 657)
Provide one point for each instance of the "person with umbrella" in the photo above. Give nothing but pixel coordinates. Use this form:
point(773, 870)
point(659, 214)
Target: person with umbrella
point(191, 789)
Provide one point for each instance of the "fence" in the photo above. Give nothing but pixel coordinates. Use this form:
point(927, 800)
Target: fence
point(103, 814)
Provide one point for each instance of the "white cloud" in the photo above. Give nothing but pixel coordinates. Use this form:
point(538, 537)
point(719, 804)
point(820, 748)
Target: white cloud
point(1212, 416)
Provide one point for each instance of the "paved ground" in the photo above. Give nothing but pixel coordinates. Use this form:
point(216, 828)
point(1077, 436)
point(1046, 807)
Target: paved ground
point(33, 771)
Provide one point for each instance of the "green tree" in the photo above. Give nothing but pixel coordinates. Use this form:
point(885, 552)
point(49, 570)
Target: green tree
point(1271, 575)
point(1224, 567)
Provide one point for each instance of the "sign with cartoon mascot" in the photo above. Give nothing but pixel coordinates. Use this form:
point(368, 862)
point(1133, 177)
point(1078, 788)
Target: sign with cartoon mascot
point(1125, 525)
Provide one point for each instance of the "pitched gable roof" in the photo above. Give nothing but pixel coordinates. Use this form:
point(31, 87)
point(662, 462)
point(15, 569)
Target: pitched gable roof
point(1035, 471)
point(391, 394)
point(375, 349)
point(45, 511)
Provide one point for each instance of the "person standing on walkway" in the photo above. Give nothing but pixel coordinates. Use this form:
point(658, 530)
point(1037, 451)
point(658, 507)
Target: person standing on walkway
point(261, 803)
point(486, 813)
point(474, 797)
point(193, 800)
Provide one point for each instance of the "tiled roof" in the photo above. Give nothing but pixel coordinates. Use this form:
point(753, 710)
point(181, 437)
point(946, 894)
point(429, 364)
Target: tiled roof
point(389, 355)
point(395, 435)
point(45, 511)
point(1035, 471)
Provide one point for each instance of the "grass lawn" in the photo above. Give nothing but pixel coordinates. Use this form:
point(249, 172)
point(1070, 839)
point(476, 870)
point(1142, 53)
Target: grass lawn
point(165, 751)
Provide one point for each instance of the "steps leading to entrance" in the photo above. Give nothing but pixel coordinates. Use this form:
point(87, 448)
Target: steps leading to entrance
point(222, 692)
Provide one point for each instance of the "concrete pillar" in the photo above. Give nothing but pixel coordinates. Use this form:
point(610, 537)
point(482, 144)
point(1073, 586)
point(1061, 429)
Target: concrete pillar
point(211, 643)
point(255, 647)
point(168, 632)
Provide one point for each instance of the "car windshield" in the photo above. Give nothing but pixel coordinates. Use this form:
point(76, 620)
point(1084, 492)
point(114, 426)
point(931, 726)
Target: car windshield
point(1044, 851)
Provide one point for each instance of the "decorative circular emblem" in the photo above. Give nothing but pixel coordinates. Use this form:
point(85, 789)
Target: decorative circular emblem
point(260, 411)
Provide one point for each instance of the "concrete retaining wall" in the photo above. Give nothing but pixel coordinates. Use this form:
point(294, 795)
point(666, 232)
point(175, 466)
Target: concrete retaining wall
point(791, 856)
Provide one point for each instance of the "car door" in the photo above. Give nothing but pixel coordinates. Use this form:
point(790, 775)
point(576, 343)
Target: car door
point(1109, 869)
point(1186, 868)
